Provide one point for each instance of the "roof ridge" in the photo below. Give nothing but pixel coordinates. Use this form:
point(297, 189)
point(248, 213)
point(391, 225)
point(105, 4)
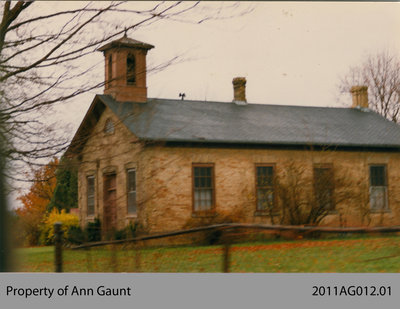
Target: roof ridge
point(252, 104)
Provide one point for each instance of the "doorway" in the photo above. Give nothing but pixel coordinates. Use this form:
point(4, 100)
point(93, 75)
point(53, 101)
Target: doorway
point(110, 205)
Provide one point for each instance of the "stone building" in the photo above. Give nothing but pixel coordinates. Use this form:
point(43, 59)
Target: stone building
point(168, 164)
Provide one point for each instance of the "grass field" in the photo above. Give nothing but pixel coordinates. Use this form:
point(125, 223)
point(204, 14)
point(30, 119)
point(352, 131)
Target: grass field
point(379, 254)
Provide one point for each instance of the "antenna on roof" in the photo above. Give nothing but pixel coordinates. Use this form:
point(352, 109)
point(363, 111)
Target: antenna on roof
point(125, 31)
point(182, 95)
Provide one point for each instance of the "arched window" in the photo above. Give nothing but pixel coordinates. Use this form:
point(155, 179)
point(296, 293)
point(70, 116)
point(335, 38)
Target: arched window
point(130, 69)
point(109, 70)
point(109, 127)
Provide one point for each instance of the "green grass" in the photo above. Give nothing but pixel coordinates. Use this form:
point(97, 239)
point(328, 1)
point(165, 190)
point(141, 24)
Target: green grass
point(378, 254)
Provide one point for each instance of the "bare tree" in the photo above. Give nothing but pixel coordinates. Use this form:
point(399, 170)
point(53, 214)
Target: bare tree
point(44, 62)
point(305, 194)
point(381, 73)
point(4, 240)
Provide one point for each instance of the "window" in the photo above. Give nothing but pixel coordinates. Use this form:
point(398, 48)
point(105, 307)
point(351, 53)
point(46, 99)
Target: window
point(265, 187)
point(90, 195)
point(131, 191)
point(109, 70)
point(378, 187)
point(324, 187)
point(203, 187)
point(109, 126)
point(130, 70)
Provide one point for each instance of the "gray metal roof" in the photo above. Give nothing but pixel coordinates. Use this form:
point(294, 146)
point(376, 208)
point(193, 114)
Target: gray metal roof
point(219, 122)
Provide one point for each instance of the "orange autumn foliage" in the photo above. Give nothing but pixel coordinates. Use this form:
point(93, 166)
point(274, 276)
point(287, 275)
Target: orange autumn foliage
point(35, 202)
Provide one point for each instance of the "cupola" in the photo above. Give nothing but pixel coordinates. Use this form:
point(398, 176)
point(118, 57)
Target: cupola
point(125, 69)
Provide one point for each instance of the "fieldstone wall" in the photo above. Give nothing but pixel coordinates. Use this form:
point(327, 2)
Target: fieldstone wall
point(164, 180)
point(170, 206)
point(108, 153)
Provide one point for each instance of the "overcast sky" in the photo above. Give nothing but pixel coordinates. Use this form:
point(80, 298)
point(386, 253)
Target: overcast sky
point(290, 53)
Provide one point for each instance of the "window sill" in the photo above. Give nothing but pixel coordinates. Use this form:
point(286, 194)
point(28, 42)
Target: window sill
point(260, 213)
point(90, 218)
point(209, 214)
point(131, 216)
point(378, 212)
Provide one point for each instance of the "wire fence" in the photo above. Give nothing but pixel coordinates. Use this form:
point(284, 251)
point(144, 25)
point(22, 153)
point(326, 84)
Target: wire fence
point(239, 248)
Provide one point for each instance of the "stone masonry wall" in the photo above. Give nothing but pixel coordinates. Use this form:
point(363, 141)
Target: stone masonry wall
point(170, 206)
point(164, 179)
point(108, 153)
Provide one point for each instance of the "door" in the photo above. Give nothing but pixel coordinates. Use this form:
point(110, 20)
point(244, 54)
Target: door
point(110, 205)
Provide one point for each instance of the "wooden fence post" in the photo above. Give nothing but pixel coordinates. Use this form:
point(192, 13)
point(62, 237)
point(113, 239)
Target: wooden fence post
point(137, 249)
point(226, 254)
point(89, 260)
point(114, 259)
point(58, 263)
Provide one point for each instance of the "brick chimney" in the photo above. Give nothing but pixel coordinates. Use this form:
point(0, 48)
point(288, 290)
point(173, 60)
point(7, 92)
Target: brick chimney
point(125, 69)
point(239, 90)
point(360, 96)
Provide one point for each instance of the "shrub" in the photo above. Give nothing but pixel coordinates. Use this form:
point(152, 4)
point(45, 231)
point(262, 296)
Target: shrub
point(213, 237)
point(67, 220)
point(93, 230)
point(75, 235)
point(127, 232)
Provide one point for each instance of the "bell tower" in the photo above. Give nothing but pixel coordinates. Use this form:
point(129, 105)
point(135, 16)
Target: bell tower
point(125, 69)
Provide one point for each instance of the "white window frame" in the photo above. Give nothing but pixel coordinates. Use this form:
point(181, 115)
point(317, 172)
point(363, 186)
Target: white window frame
point(128, 192)
point(380, 191)
point(203, 195)
point(90, 208)
point(265, 193)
